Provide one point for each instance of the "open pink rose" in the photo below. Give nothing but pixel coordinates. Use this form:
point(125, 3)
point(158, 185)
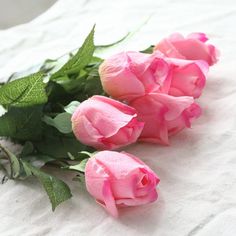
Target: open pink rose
point(119, 179)
point(188, 77)
point(128, 75)
point(104, 123)
point(193, 47)
point(164, 115)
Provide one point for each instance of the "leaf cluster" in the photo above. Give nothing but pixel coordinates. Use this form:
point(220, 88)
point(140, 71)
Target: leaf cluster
point(37, 111)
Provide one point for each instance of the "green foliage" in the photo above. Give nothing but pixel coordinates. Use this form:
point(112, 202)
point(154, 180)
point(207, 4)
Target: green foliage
point(22, 123)
point(148, 50)
point(114, 43)
point(24, 92)
point(28, 149)
point(57, 145)
point(62, 122)
point(14, 163)
point(79, 167)
point(80, 59)
point(36, 110)
point(70, 108)
point(57, 190)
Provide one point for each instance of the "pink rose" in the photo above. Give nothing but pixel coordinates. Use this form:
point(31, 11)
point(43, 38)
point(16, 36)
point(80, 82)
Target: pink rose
point(104, 123)
point(119, 179)
point(193, 47)
point(128, 75)
point(164, 115)
point(188, 77)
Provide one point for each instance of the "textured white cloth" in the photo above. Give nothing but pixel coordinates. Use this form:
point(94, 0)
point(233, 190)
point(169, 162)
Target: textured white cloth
point(197, 193)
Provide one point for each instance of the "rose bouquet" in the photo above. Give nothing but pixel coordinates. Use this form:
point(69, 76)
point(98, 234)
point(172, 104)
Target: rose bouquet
point(72, 113)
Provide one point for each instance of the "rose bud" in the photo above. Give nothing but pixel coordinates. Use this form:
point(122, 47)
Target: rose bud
point(188, 77)
point(117, 180)
point(193, 47)
point(164, 115)
point(104, 123)
point(128, 75)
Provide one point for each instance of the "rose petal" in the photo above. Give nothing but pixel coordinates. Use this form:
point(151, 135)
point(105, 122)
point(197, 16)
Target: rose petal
point(108, 198)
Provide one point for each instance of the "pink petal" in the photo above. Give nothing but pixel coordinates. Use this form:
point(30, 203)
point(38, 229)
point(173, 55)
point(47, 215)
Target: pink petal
point(188, 79)
point(150, 197)
point(84, 130)
point(175, 105)
point(166, 47)
point(115, 72)
point(106, 118)
point(108, 198)
point(120, 106)
point(120, 167)
point(199, 36)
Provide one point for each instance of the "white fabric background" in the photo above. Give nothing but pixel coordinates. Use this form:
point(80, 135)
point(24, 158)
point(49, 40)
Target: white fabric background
point(14, 12)
point(198, 171)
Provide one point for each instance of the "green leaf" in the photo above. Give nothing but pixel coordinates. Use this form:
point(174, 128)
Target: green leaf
point(27, 149)
point(114, 43)
point(39, 157)
point(30, 155)
point(37, 160)
point(80, 59)
point(148, 50)
point(95, 61)
point(81, 155)
point(57, 190)
point(22, 123)
point(15, 165)
point(62, 122)
point(71, 86)
point(81, 166)
point(93, 86)
point(57, 94)
point(70, 108)
point(57, 145)
point(49, 65)
point(14, 162)
point(27, 91)
point(26, 168)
